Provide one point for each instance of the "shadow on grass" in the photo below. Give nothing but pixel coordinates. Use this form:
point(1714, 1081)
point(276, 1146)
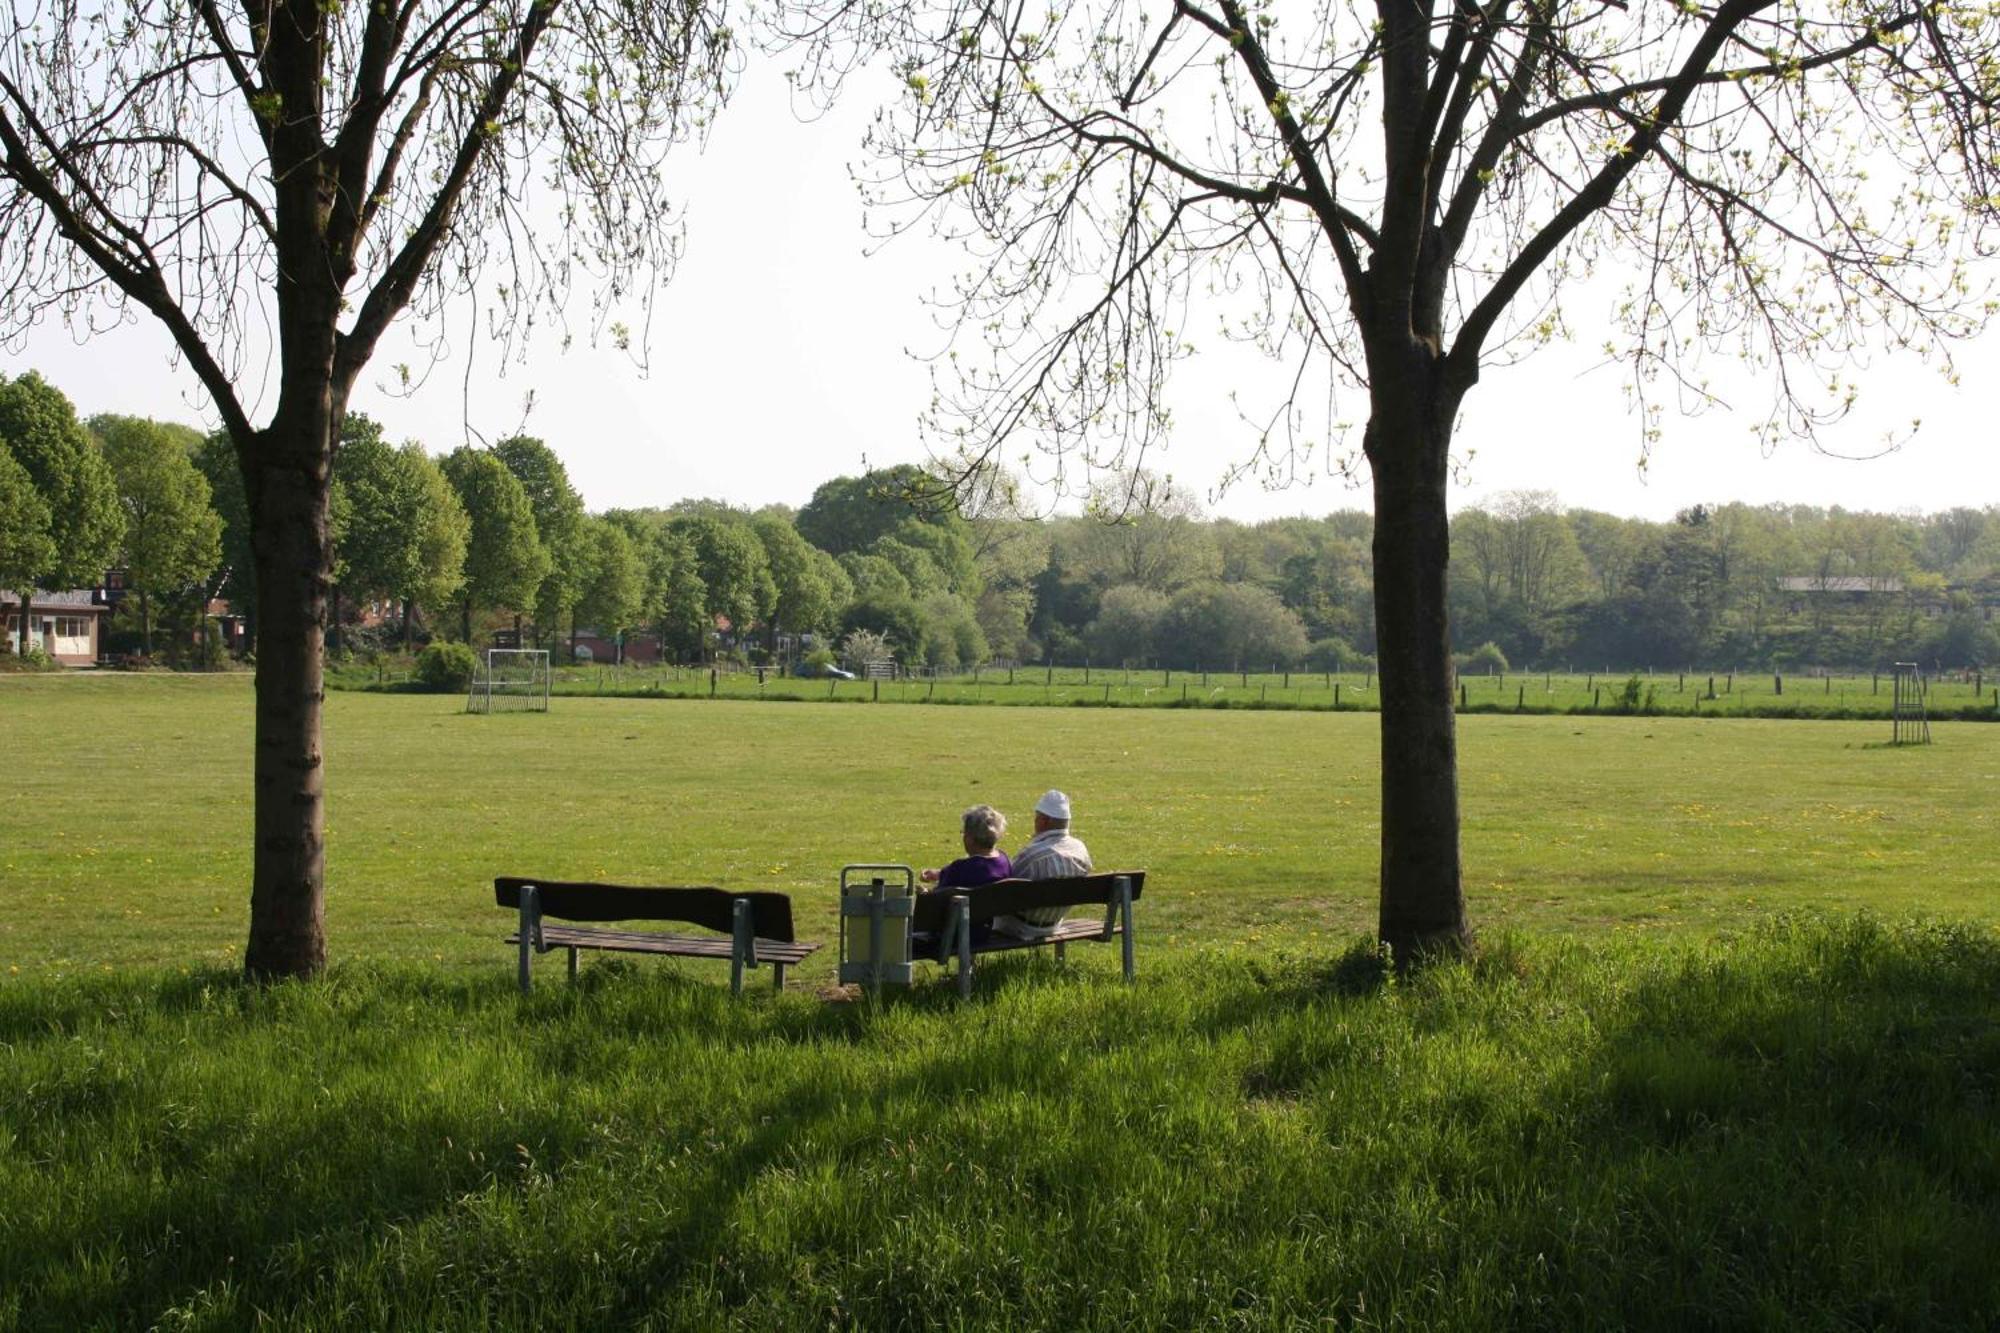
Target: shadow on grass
point(1794, 1128)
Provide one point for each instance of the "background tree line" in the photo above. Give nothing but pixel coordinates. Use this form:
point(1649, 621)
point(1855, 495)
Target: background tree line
point(488, 538)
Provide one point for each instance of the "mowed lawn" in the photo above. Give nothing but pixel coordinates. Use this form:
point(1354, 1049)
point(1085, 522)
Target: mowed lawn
point(125, 837)
point(1658, 1098)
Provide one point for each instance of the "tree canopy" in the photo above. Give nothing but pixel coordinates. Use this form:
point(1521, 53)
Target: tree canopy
point(1392, 197)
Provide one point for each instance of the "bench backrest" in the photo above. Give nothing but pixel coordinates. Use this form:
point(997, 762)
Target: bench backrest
point(770, 913)
point(1009, 896)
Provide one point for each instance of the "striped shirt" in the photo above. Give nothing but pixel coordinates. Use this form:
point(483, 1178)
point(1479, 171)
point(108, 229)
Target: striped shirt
point(1056, 854)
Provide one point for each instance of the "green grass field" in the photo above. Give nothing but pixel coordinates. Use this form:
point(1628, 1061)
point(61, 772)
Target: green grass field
point(127, 840)
point(1701, 1075)
point(1973, 698)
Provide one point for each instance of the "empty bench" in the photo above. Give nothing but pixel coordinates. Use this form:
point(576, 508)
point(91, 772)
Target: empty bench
point(754, 929)
point(941, 925)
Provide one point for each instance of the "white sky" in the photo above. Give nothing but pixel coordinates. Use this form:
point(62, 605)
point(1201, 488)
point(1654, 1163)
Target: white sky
point(780, 359)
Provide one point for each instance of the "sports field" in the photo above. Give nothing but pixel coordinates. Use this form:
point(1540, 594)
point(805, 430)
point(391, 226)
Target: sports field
point(1703, 1072)
point(1962, 696)
point(127, 838)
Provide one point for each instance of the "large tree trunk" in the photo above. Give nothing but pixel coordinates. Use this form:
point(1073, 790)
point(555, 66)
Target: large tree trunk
point(1409, 430)
point(294, 564)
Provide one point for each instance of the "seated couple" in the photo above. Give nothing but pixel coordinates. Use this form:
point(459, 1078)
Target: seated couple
point(1053, 853)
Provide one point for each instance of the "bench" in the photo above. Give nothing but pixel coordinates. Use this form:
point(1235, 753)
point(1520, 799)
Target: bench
point(756, 928)
point(941, 922)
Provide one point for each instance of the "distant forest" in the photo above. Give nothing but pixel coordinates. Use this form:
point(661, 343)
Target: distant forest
point(482, 540)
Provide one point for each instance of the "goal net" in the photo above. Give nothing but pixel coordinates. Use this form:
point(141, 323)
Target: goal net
point(510, 680)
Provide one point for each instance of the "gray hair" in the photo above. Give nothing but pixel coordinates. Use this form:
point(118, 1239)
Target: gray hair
point(984, 825)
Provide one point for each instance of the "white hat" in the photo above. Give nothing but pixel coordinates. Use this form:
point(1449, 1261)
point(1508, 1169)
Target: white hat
point(1053, 804)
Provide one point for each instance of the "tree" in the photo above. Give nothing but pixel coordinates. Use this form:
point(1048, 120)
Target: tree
point(25, 545)
point(1400, 191)
point(733, 569)
point(406, 531)
point(1230, 624)
point(558, 523)
point(316, 170)
point(172, 537)
point(616, 593)
point(443, 532)
point(1127, 625)
point(504, 560)
point(804, 599)
point(215, 459)
point(852, 513)
point(38, 427)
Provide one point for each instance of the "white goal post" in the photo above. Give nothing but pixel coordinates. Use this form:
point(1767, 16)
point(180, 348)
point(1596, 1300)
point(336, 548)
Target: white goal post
point(510, 680)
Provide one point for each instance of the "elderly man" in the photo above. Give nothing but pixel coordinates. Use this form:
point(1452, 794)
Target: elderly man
point(1053, 853)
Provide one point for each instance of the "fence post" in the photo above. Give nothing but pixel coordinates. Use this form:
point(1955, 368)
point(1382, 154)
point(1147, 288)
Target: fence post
point(1777, 683)
point(1521, 700)
point(1336, 698)
point(711, 682)
point(1593, 699)
point(877, 683)
point(1461, 695)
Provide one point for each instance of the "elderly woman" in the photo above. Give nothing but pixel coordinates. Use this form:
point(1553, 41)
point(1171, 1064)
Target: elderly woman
point(983, 862)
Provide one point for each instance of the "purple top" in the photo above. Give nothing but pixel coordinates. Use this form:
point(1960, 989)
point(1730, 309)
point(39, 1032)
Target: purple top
point(969, 872)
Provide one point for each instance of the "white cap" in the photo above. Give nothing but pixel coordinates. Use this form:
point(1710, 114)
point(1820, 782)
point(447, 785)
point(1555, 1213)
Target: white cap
point(1053, 804)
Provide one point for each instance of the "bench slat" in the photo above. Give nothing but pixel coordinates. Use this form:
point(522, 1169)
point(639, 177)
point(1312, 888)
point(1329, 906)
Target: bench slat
point(568, 900)
point(1007, 897)
point(926, 946)
point(656, 942)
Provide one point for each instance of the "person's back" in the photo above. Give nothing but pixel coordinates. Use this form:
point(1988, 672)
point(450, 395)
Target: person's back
point(1053, 853)
point(983, 862)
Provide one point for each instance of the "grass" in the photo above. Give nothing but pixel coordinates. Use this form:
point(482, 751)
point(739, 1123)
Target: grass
point(1705, 1072)
point(1791, 1128)
point(1975, 698)
point(125, 841)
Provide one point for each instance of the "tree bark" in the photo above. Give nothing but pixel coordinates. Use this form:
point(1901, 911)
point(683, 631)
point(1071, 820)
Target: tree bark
point(409, 611)
point(1422, 907)
point(146, 623)
point(27, 605)
point(294, 564)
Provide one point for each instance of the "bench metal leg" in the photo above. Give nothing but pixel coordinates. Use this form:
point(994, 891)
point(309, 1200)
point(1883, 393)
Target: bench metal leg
point(1125, 921)
point(1060, 955)
point(572, 965)
point(531, 929)
point(961, 912)
point(743, 947)
point(777, 976)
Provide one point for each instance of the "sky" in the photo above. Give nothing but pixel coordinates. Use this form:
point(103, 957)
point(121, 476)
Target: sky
point(787, 350)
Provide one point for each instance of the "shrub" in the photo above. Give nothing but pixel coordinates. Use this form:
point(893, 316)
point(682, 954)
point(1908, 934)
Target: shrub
point(1484, 660)
point(1330, 655)
point(445, 668)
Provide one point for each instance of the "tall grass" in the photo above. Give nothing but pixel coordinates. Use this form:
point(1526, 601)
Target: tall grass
point(1793, 1127)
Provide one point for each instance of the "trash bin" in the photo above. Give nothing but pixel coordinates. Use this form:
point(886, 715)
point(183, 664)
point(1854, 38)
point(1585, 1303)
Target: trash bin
point(876, 902)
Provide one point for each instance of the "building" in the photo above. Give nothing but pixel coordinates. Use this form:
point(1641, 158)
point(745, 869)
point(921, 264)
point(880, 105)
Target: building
point(65, 625)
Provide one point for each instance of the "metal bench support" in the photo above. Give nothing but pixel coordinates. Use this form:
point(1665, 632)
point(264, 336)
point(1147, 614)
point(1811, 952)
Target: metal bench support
point(572, 964)
point(531, 932)
point(1125, 920)
point(743, 947)
point(961, 930)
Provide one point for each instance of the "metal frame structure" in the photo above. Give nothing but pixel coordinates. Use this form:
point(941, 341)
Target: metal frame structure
point(532, 693)
point(875, 924)
point(1909, 720)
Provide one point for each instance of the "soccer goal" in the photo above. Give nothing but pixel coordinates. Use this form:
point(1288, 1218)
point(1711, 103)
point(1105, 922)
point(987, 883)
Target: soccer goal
point(510, 680)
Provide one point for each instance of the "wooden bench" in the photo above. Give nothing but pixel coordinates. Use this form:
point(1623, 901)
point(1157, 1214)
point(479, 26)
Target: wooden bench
point(756, 928)
point(942, 922)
